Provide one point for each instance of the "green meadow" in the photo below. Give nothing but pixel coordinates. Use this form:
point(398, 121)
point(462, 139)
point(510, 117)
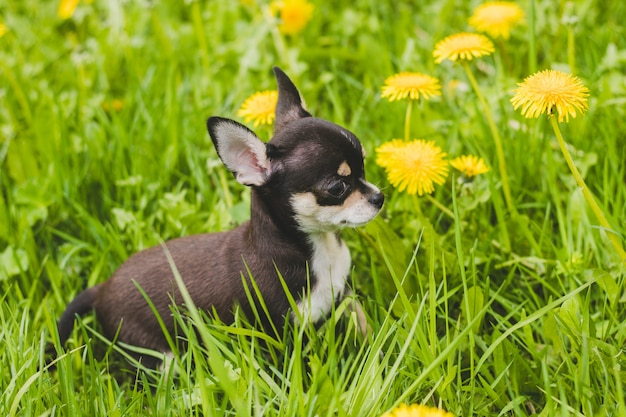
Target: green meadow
point(478, 306)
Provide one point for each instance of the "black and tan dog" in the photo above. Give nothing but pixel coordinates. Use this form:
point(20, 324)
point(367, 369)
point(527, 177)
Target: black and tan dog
point(307, 183)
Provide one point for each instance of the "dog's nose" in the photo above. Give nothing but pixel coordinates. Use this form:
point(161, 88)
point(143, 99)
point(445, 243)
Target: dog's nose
point(377, 199)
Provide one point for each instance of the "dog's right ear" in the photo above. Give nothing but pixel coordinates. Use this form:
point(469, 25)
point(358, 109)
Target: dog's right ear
point(290, 105)
point(243, 153)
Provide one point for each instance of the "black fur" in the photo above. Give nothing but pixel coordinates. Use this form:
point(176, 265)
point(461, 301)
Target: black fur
point(302, 157)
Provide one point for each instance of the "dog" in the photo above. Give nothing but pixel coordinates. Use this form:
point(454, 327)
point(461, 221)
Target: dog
point(307, 183)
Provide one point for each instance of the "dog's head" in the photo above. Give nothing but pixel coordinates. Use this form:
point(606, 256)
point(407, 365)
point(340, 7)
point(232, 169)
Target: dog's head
point(311, 169)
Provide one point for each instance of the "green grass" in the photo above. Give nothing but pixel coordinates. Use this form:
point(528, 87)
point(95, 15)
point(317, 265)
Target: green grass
point(482, 315)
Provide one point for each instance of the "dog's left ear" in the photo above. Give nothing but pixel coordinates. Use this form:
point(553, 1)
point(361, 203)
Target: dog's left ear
point(243, 153)
point(290, 105)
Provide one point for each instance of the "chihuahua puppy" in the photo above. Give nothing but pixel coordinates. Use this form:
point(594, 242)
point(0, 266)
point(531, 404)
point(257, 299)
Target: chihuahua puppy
point(307, 182)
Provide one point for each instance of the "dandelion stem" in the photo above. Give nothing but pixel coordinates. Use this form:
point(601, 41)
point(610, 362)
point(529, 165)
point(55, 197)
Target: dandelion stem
point(496, 138)
point(407, 121)
point(418, 207)
point(612, 235)
point(440, 206)
point(532, 39)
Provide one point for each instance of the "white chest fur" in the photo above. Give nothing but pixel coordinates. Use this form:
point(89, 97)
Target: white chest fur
point(330, 264)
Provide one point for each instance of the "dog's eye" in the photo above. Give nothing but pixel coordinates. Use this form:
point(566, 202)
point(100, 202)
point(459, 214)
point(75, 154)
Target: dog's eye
point(338, 189)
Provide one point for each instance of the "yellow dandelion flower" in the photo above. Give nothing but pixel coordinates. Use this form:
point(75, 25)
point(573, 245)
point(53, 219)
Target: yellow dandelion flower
point(470, 165)
point(497, 18)
point(549, 91)
point(66, 8)
point(385, 152)
point(3, 29)
point(462, 46)
point(411, 85)
point(417, 410)
point(294, 15)
point(259, 107)
point(413, 166)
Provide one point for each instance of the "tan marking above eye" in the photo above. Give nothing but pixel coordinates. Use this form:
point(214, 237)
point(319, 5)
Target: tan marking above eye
point(344, 169)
